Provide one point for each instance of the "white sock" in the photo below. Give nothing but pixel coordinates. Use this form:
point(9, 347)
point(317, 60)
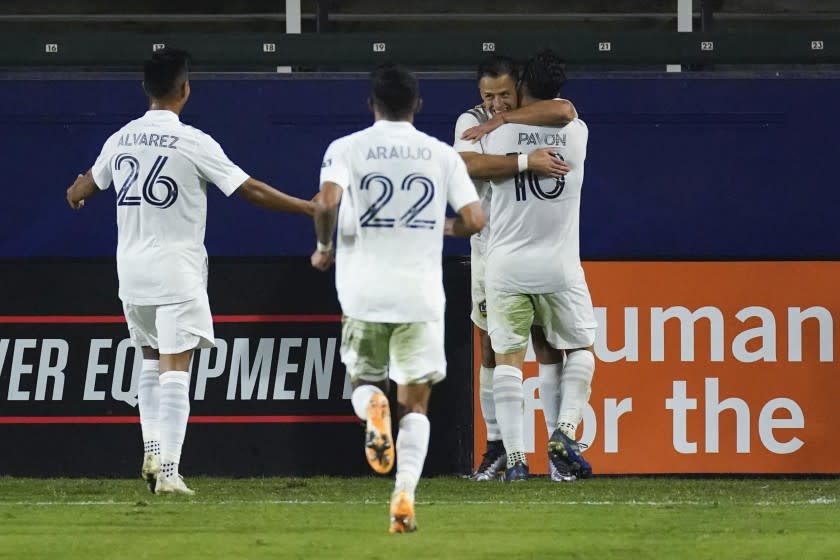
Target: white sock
point(575, 383)
point(550, 375)
point(174, 413)
point(488, 404)
point(360, 398)
point(148, 403)
point(412, 445)
point(509, 398)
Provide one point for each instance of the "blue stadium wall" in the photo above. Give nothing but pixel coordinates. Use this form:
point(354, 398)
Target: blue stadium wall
point(679, 167)
point(689, 168)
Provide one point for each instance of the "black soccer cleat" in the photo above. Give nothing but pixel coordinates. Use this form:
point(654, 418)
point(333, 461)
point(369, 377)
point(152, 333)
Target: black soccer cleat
point(493, 463)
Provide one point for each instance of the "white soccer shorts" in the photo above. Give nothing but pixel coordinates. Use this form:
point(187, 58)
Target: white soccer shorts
point(567, 317)
point(171, 328)
point(407, 353)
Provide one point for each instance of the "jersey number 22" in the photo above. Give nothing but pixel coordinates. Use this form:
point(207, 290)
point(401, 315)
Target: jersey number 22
point(409, 219)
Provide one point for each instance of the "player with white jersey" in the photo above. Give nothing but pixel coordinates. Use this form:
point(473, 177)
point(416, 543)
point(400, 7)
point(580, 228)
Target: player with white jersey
point(160, 168)
point(498, 77)
point(387, 187)
point(534, 274)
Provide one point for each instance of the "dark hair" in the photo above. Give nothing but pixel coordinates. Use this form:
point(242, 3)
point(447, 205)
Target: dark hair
point(394, 91)
point(497, 66)
point(165, 72)
point(544, 75)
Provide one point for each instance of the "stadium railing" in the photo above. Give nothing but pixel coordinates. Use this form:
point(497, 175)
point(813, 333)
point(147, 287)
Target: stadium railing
point(237, 51)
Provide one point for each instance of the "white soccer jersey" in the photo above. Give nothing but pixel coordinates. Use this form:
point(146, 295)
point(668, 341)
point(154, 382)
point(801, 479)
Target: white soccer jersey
point(475, 117)
point(397, 182)
point(160, 169)
point(535, 246)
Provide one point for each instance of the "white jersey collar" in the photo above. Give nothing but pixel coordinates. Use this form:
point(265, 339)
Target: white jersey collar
point(162, 115)
point(393, 125)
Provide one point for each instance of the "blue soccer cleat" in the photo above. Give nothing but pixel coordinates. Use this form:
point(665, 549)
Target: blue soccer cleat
point(518, 472)
point(560, 473)
point(564, 453)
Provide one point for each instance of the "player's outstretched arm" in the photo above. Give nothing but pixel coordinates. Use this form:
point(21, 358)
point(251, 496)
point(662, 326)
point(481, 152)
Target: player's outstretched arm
point(548, 112)
point(260, 194)
point(470, 220)
point(488, 166)
point(82, 188)
point(326, 215)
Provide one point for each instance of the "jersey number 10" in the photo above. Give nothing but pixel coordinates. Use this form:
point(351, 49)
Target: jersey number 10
point(534, 183)
point(153, 179)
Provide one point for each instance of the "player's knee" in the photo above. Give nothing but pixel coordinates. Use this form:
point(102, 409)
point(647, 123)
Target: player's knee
point(409, 406)
point(549, 356)
point(543, 351)
point(413, 398)
point(488, 357)
point(590, 349)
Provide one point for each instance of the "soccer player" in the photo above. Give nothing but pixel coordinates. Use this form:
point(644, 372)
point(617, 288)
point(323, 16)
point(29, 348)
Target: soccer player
point(534, 274)
point(386, 187)
point(498, 77)
point(160, 169)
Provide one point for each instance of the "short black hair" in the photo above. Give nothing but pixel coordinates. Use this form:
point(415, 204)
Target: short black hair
point(394, 91)
point(496, 66)
point(544, 75)
point(165, 72)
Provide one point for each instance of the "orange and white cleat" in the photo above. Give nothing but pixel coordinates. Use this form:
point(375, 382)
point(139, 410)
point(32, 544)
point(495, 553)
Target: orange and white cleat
point(402, 513)
point(379, 443)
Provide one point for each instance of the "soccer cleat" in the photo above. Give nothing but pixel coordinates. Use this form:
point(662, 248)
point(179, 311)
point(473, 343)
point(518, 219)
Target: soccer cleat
point(493, 462)
point(150, 470)
point(558, 475)
point(402, 513)
point(517, 473)
point(379, 444)
point(172, 485)
point(564, 452)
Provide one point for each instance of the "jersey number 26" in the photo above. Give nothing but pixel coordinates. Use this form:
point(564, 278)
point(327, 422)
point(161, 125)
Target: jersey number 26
point(153, 179)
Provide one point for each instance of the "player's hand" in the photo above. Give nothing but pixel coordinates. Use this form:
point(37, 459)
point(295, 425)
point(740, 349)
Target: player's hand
point(477, 132)
point(322, 260)
point(74, 203)
point(546, 163)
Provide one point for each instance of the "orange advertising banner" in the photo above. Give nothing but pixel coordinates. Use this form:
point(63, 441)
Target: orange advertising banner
point(705, 367)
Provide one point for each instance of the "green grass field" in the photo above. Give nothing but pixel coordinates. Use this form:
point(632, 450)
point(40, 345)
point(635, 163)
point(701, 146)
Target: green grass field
point(601, 518)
